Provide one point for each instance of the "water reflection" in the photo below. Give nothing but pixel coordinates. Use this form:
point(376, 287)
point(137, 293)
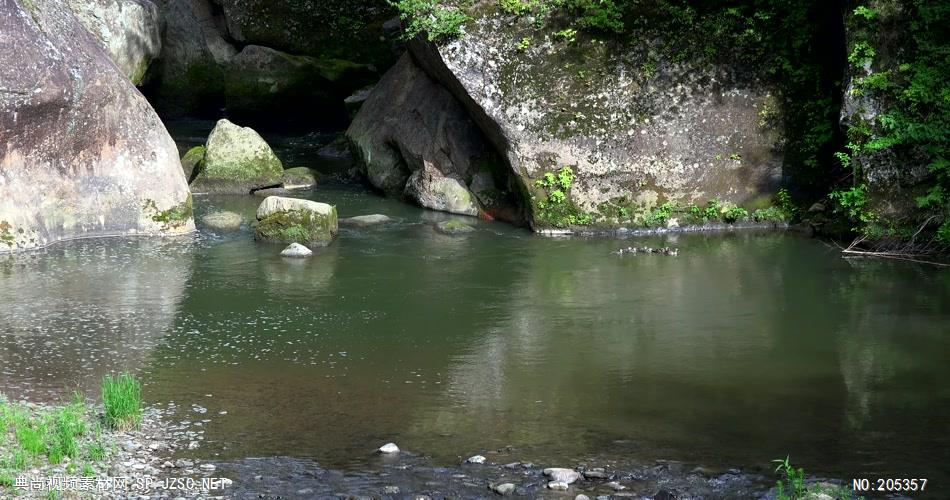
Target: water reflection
point(80, 309)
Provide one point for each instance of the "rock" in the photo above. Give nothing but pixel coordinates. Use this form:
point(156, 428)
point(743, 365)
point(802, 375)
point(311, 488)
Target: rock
point(237, 160)
point(614, 485)
point(414, 139)
point(582, 497)
point(299, 178)
point(664, 495)
point(330, 28)
point(294, 220)
point(129, 30)
point(274, 191)
point(193, 162)
point(190, 71)
point(814, 496)
point(541, 117)
point(388, 448)
point(207, 467)
point(817, 207)
point(365, 220)
point(504, 488)
point(296, 250)
point(264, 85)
point(354, 101)
point(453, 227)
point(83, 152)
point(225, 221)
point(477, 459)
point(595, 474)
point(391, 490)
point(184, 464)
point(562, 475)
point(558, 485)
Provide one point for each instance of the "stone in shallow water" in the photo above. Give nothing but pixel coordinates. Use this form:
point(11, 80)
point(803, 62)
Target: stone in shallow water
point(296, 250)
point(582, 497)
point(389, 448)
point(558, 474)
point(299, 178)
point(365, 220)
point(595, 474)
point(477, 459)
point(558, 485)
point(504, 488)
point(616, 486)
point(227, 221)
point(453, 227)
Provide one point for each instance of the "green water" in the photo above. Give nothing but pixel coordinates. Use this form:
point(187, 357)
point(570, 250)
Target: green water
point(743, 348)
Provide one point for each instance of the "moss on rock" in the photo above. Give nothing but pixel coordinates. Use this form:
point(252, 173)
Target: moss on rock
point(298, 226)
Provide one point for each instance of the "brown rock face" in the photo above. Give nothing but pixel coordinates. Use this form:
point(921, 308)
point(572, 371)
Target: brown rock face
point(83, 154)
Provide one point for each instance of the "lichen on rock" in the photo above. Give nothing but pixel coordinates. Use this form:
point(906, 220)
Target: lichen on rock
point(292, 220)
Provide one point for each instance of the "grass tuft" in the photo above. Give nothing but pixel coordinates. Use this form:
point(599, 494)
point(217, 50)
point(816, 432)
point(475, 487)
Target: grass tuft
point(122, 398)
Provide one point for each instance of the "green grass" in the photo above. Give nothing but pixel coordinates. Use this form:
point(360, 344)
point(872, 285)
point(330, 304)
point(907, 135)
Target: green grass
point(122, 398)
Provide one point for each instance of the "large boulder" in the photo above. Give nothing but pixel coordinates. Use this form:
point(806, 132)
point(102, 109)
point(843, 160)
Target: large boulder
point(264, 85)
point(347, 29)
point(635, 127)
point(83, 152)
point(190, 72)
point(130, 31)
point(237, 160)
point(415, 139)
point(293, 220)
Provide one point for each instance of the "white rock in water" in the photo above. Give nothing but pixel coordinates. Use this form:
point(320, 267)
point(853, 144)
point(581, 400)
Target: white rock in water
point(296, 250)
point(504, 488)
point(477, 459)
point(582, 497)
point(558, 474)
point(558, 485)
point(389, 448)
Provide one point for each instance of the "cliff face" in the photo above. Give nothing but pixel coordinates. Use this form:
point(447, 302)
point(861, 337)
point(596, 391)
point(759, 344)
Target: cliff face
point(83, 152)
point(635, 128)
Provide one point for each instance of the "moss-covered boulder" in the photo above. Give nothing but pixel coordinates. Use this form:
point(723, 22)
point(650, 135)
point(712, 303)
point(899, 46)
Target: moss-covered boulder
point(237, 160)
point(192, 162)
point(292, 220)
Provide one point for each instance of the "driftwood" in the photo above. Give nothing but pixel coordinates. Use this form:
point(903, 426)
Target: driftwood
point(910, 250)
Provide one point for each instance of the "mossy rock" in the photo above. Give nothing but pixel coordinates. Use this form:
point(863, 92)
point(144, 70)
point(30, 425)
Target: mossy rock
point(237, 160)
point(299, 178)
point(453, 227)
point(193, 162)
point(292, 220)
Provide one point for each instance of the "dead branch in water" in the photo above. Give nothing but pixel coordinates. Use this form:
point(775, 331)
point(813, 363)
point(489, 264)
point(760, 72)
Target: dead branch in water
point(906, 250)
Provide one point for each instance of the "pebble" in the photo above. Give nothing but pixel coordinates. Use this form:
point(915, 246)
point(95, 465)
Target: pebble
point(389, 448)
point(184, 463)
point(207, 467)
point(504, 488)
point(595, 474)
point(477, 459)
point(391, 490)
point(582, 497)
point(558, 485)
point(616, 486)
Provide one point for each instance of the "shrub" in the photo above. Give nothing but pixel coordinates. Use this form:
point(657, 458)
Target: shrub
point(439, 22)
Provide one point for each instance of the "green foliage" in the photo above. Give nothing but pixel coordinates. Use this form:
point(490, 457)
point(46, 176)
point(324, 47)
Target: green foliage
point(659, 216)
point(524, 43)
point(854, 203)
point(554, 207)
point(770, 214)
point(568, 35)
point(68, 425)
point(433, 18)
point(713, 210)
point(734, 214)
point(122, 398)
point(791, 484)
point(518, 7)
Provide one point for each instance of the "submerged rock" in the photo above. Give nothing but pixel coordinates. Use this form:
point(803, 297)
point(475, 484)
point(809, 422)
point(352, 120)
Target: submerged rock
point(365, 220)
point(453, 227)
point(129, 30)
point(504, 488)
point(476, 459)
point(83, 152)
point(227, 221)
point(237, 160)
point(296, 250)
point(294, 220)
point(388, 448)
point(299, 178)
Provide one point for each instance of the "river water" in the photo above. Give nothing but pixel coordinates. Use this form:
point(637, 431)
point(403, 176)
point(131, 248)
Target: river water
point(744, 348)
